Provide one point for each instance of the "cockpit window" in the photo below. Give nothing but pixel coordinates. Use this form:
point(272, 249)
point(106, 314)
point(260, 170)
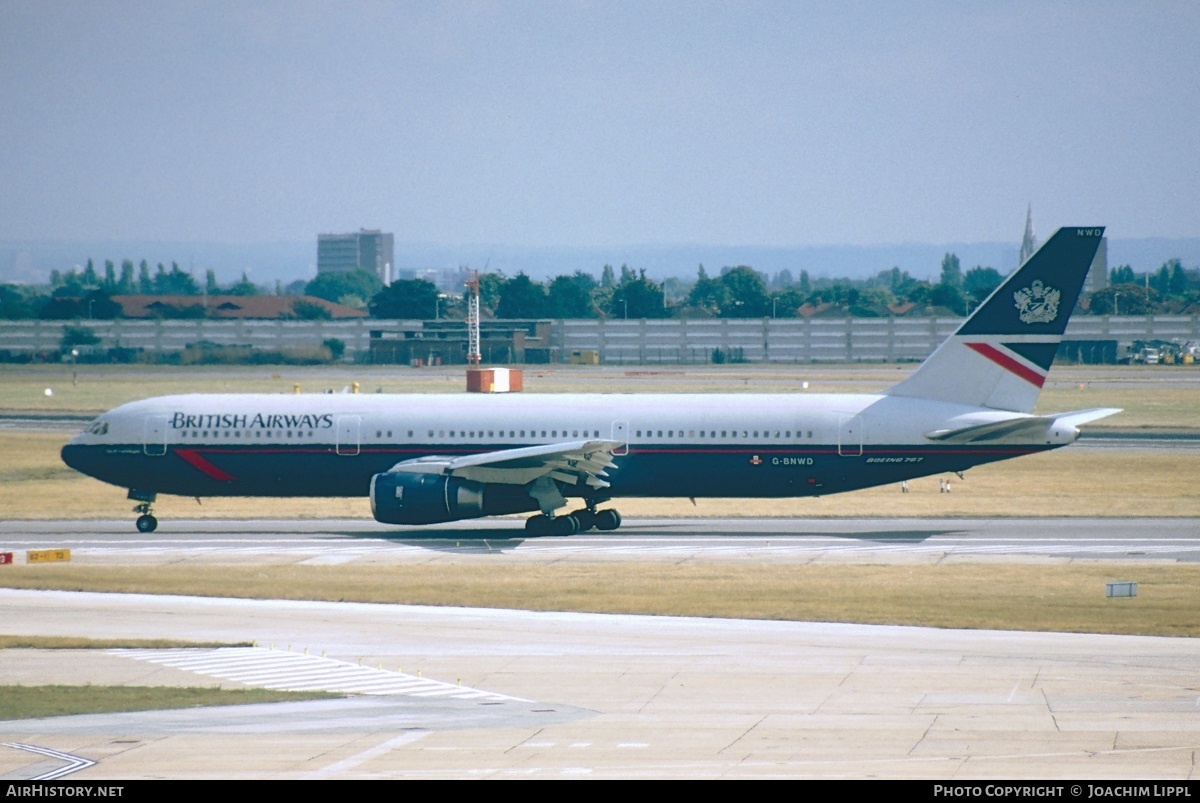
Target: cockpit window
point(98, 427)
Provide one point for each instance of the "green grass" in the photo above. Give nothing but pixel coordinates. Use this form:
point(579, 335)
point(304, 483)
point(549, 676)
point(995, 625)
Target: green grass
point(36, 702)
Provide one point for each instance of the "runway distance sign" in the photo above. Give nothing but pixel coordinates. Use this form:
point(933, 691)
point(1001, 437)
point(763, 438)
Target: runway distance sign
point(47, 555)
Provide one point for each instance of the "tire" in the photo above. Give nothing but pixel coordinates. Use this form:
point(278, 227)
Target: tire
point(147, 523)
point(537, 525)
point(586, 519)
point(607, 519)
point(564, 525)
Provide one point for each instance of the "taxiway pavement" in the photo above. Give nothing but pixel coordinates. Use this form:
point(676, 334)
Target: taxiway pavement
point(624, 696)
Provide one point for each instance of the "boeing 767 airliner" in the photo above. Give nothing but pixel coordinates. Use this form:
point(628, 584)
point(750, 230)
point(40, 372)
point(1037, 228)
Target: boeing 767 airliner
point(424, 459)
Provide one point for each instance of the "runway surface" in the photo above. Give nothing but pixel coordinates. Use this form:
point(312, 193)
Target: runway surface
point(347, 540)
point(468, 693)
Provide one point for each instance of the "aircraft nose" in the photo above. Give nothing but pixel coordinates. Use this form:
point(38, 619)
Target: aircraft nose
point(75, 453)
point(70, 453)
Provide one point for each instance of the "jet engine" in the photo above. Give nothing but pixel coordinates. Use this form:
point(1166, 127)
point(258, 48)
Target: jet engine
point(401, 497)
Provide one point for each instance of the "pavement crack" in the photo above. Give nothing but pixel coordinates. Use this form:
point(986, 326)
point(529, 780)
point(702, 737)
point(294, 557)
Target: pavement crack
point(654, 696)
point(743, 734)
point(525, 741)
point(924, 735)
point(1050, 710)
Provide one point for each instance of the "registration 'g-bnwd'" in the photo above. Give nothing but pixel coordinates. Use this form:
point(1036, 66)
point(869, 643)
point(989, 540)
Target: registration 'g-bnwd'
point(425, 459)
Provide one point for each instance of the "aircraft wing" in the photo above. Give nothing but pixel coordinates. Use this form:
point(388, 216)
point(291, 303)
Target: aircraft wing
point(1034, 426)
point(571, 462)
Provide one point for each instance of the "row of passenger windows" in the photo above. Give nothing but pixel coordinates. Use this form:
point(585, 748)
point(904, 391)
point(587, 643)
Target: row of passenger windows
point(649, 433)
point(725, 433)
point(513, 433)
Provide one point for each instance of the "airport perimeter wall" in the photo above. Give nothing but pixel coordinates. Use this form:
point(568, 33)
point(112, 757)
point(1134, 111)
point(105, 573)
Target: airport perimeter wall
point(619, 342)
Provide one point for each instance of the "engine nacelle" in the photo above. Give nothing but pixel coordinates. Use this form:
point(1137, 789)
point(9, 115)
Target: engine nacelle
point(401, 497)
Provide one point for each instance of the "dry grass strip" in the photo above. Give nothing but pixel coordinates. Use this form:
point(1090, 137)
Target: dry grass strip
point(80, 643)
point(1002, 596)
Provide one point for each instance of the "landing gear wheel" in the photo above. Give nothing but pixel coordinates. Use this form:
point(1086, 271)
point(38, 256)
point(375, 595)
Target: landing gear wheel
point(564, 525)
point(544, 525)
point(586, 519)
point(146, 522)
point(607, 519)
point(537, 525)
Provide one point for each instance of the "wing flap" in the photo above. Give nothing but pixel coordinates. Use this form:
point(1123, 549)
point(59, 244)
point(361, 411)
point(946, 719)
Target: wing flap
point(570, 462)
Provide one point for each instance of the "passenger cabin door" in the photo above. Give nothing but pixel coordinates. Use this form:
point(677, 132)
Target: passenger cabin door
point(850, 436)
point(154, 436)
point(620, 432)
point(348, 427)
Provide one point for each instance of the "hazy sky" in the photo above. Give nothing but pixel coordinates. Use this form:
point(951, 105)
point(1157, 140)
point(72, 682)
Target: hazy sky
point(597, 123)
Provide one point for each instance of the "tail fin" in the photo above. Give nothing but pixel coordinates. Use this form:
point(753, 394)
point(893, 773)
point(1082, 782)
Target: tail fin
point(1000, 356)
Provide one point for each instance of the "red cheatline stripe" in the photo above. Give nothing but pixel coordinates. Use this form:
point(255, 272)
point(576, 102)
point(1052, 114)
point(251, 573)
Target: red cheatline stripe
point(1008, 363)
point(193, 457)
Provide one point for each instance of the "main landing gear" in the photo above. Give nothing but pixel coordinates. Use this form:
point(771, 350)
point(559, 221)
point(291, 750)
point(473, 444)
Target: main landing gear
point(146, 523)
point(578, 521)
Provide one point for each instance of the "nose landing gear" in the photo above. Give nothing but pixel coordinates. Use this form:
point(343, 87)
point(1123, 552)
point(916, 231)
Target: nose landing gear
point(146, 523)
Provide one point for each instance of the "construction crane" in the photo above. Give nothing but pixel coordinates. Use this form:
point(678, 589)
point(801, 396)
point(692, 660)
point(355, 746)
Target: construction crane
point(473, 355)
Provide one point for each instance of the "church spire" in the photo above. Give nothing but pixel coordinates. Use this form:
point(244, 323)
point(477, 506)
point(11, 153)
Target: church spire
point(1029, 243)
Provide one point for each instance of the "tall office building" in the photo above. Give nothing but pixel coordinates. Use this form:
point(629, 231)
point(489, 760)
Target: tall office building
point(369, 249)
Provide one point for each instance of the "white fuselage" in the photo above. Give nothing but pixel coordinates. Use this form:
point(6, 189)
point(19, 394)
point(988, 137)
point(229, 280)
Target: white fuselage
point(694, 445)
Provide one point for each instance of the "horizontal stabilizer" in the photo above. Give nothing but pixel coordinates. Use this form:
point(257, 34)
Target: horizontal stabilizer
point(1078, 418)
point(1029, 427)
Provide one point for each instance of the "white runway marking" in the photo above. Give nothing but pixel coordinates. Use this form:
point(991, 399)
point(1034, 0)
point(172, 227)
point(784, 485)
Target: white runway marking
point(347, 764)
point(289, 671)
point(73, 763)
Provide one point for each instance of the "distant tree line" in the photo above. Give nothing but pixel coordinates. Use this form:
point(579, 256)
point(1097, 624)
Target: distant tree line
point(85, 293)
point(733, 292)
